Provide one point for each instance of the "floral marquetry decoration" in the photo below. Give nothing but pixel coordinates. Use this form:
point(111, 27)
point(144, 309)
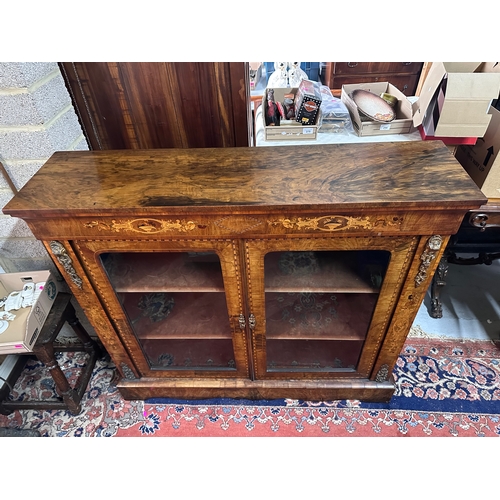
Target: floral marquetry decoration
point(330, 223)
point(146, 226)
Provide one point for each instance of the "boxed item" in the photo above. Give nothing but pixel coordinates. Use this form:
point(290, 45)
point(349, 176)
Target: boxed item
point(455, 99)
point(255, 74)
point(402, 124)
point(288, 130)
point(307, 102)
point(482, 161)
point(20, 326)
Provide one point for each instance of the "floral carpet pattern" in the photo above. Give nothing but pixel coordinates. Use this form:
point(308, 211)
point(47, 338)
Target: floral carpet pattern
point(444, 388)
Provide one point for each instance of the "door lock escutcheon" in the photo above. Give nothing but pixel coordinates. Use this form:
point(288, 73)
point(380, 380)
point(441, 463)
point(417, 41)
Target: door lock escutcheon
point(242, 322)
point(251, 321)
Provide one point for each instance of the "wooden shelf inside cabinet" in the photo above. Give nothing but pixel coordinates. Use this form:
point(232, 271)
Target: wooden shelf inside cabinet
point(332, 272)
point(213, 354)
point(318, 316)
point(164, 272)
point(184, 315)
point(311, 356)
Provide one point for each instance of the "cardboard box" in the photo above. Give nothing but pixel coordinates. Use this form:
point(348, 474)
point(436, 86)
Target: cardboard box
point(289, 130)
point(307, 102)
point(22, 332)
point(402, 124)
point(449, 141)
point(482, 161)
point(457, 97)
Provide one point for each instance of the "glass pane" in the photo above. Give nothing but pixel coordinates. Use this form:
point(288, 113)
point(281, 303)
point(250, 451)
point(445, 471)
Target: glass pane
point(319, 307)
point(176, 305)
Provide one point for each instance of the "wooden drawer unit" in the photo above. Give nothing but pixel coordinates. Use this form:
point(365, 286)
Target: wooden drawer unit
point(279, 272)
point(403, 75)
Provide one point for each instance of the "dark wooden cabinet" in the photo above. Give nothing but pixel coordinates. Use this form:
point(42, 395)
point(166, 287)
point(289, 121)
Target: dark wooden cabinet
point(130, 105)
point(278, 272)
point(403, 75)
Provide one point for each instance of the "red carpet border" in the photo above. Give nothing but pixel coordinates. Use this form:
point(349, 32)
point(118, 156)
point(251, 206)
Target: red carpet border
point(444, 388)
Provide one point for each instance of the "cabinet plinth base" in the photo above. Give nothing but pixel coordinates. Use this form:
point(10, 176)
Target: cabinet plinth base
point(310, 390)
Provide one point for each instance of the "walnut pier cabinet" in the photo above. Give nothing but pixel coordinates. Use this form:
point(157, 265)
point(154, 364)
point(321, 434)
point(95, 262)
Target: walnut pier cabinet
point(277, 272)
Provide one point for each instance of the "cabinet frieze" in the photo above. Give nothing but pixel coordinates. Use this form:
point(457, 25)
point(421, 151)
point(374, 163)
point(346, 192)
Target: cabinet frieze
point(245, 225)
point(234, 225)
point(222, 226)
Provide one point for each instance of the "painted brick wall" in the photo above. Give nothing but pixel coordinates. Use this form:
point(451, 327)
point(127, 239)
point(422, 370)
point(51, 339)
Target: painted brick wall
point(36, 119)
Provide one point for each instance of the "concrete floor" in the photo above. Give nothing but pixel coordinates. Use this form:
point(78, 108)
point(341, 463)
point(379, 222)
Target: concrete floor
point(471, 305)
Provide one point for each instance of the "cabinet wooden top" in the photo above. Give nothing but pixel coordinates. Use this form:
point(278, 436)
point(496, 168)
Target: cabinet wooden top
point(349, 176)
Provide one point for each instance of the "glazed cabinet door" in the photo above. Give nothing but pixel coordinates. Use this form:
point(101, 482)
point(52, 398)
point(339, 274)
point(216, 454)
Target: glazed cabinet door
point(320, 306)
point(176, 305)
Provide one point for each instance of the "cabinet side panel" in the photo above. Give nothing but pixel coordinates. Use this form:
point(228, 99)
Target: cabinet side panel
point(423, 267)
point(131, 105)
point(68, 263)
point(107, 297)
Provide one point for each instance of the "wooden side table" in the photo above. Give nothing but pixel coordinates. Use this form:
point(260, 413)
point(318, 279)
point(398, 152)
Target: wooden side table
point(45, 348)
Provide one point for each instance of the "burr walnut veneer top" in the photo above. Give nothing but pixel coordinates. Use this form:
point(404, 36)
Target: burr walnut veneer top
point(350, 176)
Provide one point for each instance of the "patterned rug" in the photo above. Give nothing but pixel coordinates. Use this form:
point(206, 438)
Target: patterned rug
point(444, 388)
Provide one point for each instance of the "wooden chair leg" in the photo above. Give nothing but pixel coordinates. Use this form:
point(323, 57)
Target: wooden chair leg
point(69, 395)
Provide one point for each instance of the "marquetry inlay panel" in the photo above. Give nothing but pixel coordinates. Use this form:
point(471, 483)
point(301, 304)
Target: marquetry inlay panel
point(143, 226)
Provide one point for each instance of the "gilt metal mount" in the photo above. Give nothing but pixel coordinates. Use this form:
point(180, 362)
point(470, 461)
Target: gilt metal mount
point(64, 259)
point(434, 243)
point(382, 374)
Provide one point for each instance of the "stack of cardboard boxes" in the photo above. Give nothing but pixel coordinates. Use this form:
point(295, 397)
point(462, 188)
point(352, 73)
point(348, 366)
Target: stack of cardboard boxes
point(454, 101)
point(455, 105)
point(482, 161)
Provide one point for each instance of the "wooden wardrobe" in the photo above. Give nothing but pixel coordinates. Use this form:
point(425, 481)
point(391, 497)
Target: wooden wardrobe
point(144, 105)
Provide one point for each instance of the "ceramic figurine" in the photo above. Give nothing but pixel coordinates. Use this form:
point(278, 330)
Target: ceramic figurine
point(279, 78)
point(295, 74)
